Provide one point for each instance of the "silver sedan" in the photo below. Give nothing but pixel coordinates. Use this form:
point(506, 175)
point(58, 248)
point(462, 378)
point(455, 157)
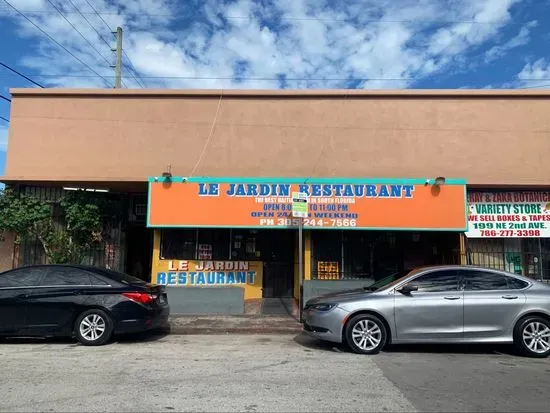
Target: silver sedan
point(442, 304)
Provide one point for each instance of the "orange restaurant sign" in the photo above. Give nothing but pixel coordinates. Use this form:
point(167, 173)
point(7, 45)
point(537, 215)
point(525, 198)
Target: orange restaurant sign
point(413, 204)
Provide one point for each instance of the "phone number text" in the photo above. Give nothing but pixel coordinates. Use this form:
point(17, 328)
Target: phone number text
point(309, 222)
point(510, 233)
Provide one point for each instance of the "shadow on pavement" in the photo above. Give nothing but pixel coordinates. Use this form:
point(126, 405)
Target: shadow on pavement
point(481, 349)
point(144, 337)
point(36, 340)
point(311, 344)
point(459, 349)
point(134, 338)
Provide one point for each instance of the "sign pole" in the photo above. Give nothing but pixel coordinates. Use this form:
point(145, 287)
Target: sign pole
point(300, 211)
point(300, 266)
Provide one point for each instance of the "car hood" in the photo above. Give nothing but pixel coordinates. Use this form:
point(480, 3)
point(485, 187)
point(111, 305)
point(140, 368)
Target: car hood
point(341, 296)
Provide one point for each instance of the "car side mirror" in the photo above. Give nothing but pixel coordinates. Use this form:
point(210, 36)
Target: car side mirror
point(408, 288)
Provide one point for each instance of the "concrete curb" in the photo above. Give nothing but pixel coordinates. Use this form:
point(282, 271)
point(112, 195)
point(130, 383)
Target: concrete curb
point(194, 325)
point(205, 331)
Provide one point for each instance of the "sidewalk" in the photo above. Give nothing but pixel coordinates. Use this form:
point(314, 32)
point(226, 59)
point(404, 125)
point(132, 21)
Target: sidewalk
point(222, 324)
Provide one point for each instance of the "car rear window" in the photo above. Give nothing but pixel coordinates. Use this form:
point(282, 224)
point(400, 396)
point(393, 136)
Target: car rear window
point(21, 277)
point(516, 284)
point(65, 276)
point(119, 276)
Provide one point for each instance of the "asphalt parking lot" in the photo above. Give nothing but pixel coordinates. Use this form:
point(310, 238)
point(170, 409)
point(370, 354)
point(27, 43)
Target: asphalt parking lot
point(264, 373)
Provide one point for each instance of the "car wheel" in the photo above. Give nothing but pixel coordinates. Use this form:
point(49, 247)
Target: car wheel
point(366, 334)
point(532, 337)
point(93, 328)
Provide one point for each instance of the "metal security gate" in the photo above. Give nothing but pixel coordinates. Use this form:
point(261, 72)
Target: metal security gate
point(525, 256)
point(109, 253)
point(278, 279)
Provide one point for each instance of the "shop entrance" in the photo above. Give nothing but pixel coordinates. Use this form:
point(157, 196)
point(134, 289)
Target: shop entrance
point(278, 271)
point(139, 247)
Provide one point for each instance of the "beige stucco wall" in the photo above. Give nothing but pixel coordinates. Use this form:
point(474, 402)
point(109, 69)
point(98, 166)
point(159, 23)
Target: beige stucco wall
point(489, 138)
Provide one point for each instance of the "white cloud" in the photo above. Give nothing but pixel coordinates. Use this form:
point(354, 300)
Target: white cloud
point(3, 138)
point(521, 39)
point(534, 75)
point(387, 43)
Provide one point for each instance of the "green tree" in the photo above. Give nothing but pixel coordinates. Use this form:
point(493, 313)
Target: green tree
point(30, 218)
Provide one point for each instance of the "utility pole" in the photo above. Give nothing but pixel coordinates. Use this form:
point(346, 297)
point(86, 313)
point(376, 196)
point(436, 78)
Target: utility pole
point(118, 64)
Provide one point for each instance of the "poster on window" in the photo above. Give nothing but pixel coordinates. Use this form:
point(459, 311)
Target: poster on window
point(205, 251)
point(328, 270)
point(508, 215)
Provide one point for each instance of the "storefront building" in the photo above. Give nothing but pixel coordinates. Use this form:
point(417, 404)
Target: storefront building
point(236, 237)
point(510, 230)
point(200, 184)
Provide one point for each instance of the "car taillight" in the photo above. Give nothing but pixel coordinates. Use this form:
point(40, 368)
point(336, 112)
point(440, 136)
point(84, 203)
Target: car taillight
point(142, 298)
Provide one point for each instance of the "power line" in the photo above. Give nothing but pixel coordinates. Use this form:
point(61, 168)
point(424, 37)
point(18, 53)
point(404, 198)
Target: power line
point(109, 28)
point(138, 78)
point(55, 41)
point(90, 24)
point(22, 75)
point(99, 15)
point(3, 118)
point(293, 18)
point(78, 31)
point(5, 98)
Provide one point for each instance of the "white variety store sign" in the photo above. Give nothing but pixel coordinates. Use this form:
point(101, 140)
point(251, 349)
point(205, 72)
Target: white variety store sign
point(508, 215)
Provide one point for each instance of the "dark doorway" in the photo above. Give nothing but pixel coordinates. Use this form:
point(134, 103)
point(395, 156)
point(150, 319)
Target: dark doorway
point(278, 256)
point(139, 242)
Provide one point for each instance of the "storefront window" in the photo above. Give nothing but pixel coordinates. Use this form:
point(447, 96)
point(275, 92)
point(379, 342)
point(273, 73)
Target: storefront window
point(245, 245)
point(213, 244)
point(195, 244)
point(327, 255)
point(525, 256)
point(376, 254)
point(178, 244)
point(358, 260)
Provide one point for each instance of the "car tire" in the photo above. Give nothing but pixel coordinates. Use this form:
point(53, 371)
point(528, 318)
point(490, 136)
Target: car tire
point(93, 328)
point(532, 337)
point(366, 334)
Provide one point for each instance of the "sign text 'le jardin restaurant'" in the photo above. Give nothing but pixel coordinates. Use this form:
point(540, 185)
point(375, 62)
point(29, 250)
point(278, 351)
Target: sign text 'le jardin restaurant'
point(332, 203)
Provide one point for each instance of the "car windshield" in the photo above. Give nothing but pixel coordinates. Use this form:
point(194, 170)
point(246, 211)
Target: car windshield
point(388, 281)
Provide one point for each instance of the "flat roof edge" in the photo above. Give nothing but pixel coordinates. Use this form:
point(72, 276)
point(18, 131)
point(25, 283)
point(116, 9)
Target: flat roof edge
point(282, 93)
point(75, 179)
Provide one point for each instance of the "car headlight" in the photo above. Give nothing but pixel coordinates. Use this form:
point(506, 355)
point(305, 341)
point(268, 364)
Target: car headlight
point(323, 307)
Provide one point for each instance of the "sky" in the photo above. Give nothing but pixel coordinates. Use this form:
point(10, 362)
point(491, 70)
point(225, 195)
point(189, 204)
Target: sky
point(270, 44)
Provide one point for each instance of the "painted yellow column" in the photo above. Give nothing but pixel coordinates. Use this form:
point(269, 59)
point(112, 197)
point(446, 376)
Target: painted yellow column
point(307, 255)
point(156, 255)
point(307, 262)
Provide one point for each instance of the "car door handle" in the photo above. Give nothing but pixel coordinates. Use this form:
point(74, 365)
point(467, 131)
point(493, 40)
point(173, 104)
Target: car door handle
point(509, 297)
point(452, 297)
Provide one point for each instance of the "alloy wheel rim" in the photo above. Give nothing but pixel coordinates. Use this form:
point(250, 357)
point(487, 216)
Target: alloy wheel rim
point(92, 327)
point(366, 335)
point(536, 336)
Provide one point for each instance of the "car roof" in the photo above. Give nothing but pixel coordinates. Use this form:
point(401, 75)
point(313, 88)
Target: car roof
point(473, 267)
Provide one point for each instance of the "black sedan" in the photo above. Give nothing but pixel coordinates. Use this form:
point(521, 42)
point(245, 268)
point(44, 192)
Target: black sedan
point(88, 303)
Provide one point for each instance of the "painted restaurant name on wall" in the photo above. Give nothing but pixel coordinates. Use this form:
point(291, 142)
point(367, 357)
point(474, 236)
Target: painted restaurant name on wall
point(509, 215)
point(366, 204)
point(206, 273)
